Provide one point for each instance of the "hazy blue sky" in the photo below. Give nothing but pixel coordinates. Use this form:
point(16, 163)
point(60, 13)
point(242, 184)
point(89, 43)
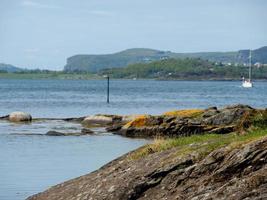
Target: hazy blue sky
point(43, 33)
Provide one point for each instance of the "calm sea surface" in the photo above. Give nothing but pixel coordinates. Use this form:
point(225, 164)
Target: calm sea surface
point(31, 162)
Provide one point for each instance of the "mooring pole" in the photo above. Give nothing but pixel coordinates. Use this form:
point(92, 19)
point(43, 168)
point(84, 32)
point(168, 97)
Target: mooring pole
point(107, 88)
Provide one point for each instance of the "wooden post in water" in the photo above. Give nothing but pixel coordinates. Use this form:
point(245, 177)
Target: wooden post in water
point(107, 76)
point(107, 88)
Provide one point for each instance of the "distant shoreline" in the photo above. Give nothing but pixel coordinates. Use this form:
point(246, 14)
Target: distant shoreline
point(73, 76)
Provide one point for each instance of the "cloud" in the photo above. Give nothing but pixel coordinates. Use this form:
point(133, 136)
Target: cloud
point(30, 3)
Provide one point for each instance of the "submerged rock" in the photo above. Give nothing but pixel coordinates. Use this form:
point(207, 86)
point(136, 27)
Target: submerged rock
point(55, 133)
point(83, 132)
point(4, 117)
point(87, 131)
point(20, 117)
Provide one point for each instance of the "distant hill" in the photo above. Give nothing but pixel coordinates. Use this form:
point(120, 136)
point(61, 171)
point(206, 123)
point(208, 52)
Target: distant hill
point(95, 63)
point(9, 68)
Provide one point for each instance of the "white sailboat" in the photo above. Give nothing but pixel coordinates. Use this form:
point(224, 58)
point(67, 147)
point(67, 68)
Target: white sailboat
point(247, 83)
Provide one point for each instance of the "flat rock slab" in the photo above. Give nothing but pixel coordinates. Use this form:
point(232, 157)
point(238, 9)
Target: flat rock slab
point(57, 133)
point(97, 120)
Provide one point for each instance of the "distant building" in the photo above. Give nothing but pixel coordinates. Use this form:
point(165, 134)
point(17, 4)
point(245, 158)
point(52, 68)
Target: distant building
point(258, 64)
point(147, 59)
point(211, 69)
point(164, 57)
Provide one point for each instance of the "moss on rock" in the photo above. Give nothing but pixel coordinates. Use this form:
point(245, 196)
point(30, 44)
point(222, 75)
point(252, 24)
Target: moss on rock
point(139, 121)
point(191, 113)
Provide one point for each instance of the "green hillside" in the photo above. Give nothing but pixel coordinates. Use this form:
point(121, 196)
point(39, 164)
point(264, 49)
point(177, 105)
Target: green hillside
point(189, 68)
point(95, 63)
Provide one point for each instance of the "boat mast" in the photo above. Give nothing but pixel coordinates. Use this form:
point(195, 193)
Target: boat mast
point(249, 75)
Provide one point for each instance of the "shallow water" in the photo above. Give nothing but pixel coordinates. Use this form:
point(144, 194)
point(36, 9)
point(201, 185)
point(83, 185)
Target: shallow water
point(31, 162)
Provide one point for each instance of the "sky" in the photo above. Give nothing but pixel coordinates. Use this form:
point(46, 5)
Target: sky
point(43, 33)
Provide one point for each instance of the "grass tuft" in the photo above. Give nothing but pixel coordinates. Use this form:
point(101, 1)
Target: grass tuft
point(203, 144)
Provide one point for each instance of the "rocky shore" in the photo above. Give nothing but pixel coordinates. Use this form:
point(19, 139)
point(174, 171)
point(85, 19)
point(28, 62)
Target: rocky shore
point(239, 173)
point(197, 154)
point(224, 156)
point(187, 122)
point(170, 124)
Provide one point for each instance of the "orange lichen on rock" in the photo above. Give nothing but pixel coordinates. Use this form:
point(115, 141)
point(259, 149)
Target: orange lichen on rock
point(184, 113)
point(139, 121)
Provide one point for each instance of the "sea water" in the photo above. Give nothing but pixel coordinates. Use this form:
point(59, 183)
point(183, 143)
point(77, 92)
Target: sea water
point(31, 162)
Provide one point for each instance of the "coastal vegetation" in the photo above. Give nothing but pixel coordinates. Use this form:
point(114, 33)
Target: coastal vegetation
point(185, 69)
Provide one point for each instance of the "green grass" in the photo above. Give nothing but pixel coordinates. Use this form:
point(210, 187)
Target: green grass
point(202, 144)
